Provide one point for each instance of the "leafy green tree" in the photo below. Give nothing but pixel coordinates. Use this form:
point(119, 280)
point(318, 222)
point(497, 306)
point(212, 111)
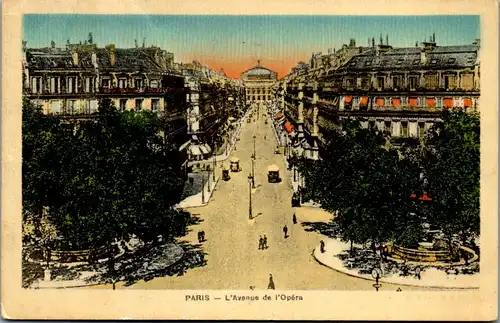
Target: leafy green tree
point(452, 167)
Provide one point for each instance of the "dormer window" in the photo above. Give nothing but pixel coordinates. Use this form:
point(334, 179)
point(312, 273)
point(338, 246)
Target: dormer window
point(434, 61)
point(416, 61)
point(368, 63)
point(400, 62)
point(353, 63)
point(451, 60)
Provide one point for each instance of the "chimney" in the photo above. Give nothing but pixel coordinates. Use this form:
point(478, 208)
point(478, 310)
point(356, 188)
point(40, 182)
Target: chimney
point(90, 39)
point(144, 42)
point(433, 37)
point(94, 60)
point(75, 58)
point(381, 42)
point(112, 54)
point(352, 42)
point(387, 40)
point(135, 41)
point(52, 44)
point(373, 41)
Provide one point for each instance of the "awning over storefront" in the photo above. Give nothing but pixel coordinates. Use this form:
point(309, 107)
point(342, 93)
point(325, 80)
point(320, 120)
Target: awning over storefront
point(279, 116)
point(431, 102)
point(396, 102)
point(467, 103)
point(380, 102)
point(195, 150)
point(448, 103)
point(205, 149)
point(363, 101)
point(413, 102)
point(288, 127)
point(348, 99)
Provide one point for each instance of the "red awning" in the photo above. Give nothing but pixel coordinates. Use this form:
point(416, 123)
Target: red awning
point(348, 99)
point(431, 102)
point(364, 101)
point(288, 127)
point(467, 103)
point(413, 102)
point(425, 197)
point(380, 102)
point(448, 103)
point(396, 102)
point(279, 116)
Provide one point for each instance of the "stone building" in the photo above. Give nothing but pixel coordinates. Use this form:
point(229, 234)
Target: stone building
point(399, 90)
point(258, 82)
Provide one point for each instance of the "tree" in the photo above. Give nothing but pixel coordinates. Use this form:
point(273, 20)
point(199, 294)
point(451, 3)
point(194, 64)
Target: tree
point(452, 167)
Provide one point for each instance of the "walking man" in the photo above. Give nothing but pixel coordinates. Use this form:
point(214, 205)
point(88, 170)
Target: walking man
point(203, 236)
point(271, 283)
point(285, 231)
point(264, 243)
point(199, 236)
point(261, 243)
point(294, 218)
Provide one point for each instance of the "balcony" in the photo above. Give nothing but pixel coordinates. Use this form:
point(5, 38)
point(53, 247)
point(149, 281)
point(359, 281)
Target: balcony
point(146, 90)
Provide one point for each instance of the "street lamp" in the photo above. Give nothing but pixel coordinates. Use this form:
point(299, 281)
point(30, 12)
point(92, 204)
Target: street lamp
point(254, 156)
point(376, 273)
point(215, 165)
point(202, 188)
point(253, 174)
point(250, 179)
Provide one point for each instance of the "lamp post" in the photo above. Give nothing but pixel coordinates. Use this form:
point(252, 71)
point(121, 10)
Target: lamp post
point(202, 188)
point(253, 174)
point(208, 176)
point(250, 179)
point(376, 273)
point(254, 156)
point(215, 166)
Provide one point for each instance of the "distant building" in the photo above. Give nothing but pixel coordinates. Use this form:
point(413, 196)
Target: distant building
point(258, 82)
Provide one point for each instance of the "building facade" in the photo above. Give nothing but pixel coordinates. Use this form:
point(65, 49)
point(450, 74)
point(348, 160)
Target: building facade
point(258, 82)
point(398, 90)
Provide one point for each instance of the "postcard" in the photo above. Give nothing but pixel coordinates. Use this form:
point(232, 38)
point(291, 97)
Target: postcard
point(265, 160)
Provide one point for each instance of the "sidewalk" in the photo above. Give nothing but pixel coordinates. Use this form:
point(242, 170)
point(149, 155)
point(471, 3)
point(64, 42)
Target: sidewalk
point(194, 198)
point(335, 250)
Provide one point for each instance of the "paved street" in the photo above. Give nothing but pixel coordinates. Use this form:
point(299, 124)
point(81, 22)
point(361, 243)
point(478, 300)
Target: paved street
point(233, 258)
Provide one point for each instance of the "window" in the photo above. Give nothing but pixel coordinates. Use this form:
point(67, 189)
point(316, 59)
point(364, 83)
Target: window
point(349, 83)
point(416, 61)
point(34, 85)
point(123, 104)
point(87, 84)
point(106, 83)
point(139, 83)
point(467, 81)
point(432, 81)
point(55, 106)
point(421, 130)
point(413, 82)
point(387, 126)
point(399, 62)
point(155, 104)
point(93, 106)
point(371, 124)
point(368, 63)
point(380, 82)
point(396, 82)
point(451, 60)
point(365, 83)
point(434, 61)
point(449, 82)
point(404, 129)
point(353, 63)
point(153, 84)
point(69, 85)
point(122, 83)
point(71, 106)
point(138, 104)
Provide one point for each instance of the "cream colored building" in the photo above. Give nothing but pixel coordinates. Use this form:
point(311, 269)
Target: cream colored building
point(258, 82)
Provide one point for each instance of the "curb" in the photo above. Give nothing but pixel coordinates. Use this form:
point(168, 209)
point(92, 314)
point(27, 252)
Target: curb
point(389, 282)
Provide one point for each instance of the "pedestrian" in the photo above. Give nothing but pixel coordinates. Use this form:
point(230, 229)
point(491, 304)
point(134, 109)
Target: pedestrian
point(264, 245)
point(199, 236)
point(294, 218)
point(285, 231)
point(322, 246)
point(203, 236)
point(271, 283)
point(261, 243)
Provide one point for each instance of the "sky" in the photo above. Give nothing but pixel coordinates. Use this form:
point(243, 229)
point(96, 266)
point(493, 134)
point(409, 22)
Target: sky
point(235, 43)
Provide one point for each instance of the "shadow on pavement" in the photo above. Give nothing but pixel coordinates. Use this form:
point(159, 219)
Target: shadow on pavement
point(323, 228)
